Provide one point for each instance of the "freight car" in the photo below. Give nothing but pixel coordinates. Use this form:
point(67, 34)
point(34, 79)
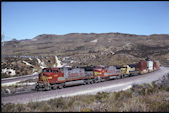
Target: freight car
point(58, 78)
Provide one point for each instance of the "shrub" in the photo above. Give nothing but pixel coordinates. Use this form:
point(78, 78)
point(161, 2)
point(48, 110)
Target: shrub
point(88, 99)
point(45, 107)
point(71, 102)
point(34, 105)
point(9, 107)
point(20, 108)
point(134, 104)
point(101, 96)
point(122, 95)
point(157, 102)
point(58, 103)
point(150, 98)
point(86, 110)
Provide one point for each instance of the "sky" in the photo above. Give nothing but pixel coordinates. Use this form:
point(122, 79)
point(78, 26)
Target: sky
point(26, 20)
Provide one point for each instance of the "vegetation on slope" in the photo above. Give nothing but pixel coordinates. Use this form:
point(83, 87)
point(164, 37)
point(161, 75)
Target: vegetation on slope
point(152, 97)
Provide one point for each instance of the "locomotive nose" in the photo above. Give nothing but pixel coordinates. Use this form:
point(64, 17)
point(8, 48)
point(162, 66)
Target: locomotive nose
point(46, 74)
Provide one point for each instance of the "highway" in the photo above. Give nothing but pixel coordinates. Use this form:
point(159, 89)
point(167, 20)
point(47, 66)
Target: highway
point(107, 86)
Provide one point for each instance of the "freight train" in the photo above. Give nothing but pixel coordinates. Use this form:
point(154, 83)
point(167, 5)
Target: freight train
point(58, 78)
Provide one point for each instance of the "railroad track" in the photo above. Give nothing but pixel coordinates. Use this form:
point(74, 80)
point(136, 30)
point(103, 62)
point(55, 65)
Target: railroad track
point(6, 81)
point(18, 93)
point(107, 86)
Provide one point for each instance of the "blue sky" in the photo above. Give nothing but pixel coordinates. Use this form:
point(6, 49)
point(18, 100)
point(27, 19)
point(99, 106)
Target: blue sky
point(25, 20)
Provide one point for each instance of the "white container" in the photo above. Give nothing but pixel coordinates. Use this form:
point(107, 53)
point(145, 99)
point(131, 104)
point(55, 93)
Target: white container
point(150, 65)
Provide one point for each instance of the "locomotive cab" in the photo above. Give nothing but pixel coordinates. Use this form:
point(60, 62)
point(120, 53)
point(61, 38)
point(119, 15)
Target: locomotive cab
point(99, 71)
point(48, 77)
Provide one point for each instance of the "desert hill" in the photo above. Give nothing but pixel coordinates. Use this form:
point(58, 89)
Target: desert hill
point(90, 48)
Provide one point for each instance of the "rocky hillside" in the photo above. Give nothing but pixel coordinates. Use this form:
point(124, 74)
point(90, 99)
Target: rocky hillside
point(24, 65)
point(79, 49)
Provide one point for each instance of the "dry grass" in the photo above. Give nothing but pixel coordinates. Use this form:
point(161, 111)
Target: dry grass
point(140, 98)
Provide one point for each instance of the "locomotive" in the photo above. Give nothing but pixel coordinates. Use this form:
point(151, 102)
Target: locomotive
point(58, 78)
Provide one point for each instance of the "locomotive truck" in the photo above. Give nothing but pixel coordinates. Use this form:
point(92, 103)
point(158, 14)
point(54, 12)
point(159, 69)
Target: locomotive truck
point(58, 78)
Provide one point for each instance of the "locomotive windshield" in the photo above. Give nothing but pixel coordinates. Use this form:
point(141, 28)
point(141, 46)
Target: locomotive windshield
point(46, 70)
point(100, 67)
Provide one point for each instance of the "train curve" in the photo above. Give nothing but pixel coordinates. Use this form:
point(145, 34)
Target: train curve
point(107, 86)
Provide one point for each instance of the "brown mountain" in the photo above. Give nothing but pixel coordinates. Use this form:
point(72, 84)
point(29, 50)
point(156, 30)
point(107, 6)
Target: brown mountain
point(92, 48)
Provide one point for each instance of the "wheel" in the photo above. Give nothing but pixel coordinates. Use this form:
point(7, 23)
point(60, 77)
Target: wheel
point(98, 79)
point(107, 79)
point(91, 81)
point(118, 77)
point(88, 81)
point(94, 81)
point(60, 86)
point(47, 87)
point(129, 75)
point(37, 88)
point(55, 86)
point(85, 82)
